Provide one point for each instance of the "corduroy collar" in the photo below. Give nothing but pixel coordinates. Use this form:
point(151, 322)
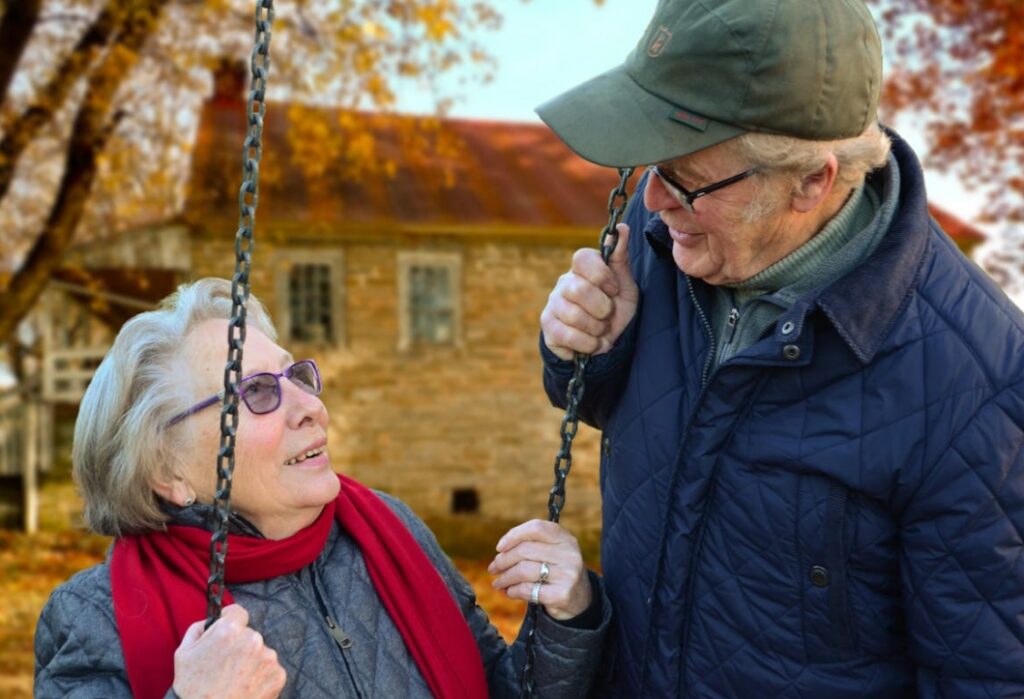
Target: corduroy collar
point(864, 304)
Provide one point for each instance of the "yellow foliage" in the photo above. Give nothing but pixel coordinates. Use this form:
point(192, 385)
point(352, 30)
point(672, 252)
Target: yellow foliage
point(375, 30)
point(437, 20)
point(361, 147)
point(315, 144)
point(346, 54)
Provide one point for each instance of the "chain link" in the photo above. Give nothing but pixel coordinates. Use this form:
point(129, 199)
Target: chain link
point(617, 201)
point(248, 200)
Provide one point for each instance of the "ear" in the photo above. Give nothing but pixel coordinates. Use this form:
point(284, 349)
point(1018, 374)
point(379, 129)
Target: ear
point(815, 188)
point(175, 491)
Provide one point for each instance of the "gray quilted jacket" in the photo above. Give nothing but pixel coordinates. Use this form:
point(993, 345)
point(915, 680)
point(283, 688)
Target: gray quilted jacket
point(78, 651)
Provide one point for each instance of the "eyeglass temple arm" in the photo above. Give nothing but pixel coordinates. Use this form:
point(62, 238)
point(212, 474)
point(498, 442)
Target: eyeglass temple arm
point(196, 408)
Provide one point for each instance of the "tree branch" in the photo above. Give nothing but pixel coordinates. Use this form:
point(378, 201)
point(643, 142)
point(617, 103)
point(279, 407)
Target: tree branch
point(92, 128)
point(24, 128)
point(16, 25)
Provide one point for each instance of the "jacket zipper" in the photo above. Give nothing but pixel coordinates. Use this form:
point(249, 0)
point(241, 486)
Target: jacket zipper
point(707, 328)
point(732, 321)
point(679, 455)
point(342, 639)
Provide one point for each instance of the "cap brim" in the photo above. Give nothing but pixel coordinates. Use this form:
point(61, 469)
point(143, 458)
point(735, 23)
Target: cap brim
point(612, 121)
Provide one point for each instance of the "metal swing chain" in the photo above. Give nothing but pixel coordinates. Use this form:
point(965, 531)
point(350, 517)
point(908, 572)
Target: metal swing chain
point(617, 201)
point(248, 200)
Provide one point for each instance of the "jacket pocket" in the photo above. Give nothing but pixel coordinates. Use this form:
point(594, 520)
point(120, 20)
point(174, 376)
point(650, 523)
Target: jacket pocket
point(824, 575)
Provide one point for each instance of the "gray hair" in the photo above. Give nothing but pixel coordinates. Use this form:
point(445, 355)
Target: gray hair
point(793, 159)
point(121, 447)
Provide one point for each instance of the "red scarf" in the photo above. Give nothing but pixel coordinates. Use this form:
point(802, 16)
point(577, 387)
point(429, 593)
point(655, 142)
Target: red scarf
point(159, 590)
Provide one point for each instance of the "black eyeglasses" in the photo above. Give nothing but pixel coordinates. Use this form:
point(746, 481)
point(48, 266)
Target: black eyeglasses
point(685, 196)
point(261, 392)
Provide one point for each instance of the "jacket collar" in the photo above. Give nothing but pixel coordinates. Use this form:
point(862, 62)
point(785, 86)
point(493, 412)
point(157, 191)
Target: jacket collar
point(886, 277)
point(864, 304)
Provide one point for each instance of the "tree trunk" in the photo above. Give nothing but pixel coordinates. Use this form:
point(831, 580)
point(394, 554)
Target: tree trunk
point(16, 25)
point(20, 132)
point(92, 127)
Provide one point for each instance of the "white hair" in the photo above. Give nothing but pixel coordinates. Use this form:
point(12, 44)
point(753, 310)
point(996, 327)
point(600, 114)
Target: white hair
point(793, 159)
point(121, 446)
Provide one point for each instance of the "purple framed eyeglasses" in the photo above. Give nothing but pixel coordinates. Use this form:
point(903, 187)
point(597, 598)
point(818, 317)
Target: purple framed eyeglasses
point(261, 392)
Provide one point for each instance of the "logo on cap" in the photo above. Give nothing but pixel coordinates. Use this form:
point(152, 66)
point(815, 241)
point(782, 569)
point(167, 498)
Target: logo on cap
point(659, 42)
point(690, 119)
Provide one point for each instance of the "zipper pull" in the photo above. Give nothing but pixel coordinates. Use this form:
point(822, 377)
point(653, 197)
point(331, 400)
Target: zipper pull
point(733, 319)
point(343, 641)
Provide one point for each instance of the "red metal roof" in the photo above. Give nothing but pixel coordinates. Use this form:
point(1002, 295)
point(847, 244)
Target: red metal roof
point(499, 174)
point(963, 233)
point(485, 173)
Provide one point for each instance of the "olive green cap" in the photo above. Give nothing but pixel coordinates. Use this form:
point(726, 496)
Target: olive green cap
point(708, 70)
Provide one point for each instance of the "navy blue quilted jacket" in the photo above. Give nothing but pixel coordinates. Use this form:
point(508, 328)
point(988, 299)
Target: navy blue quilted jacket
point(837, 511)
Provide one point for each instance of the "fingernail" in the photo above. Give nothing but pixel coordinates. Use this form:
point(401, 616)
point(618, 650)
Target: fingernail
point(501, 544)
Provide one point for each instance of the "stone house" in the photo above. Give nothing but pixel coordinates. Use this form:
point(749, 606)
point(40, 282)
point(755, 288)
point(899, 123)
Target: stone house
point(417, 287)
point(418, 291)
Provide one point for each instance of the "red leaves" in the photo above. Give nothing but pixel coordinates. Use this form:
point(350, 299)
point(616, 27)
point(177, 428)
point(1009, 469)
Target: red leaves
point(960, 65)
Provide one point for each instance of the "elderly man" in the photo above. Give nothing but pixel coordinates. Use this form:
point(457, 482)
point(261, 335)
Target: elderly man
point(812, 403)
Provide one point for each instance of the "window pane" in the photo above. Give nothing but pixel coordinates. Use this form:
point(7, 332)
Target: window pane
point(309, 301)
point(431, 313)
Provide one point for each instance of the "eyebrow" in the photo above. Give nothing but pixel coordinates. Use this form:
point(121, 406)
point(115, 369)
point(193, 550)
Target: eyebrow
point(284, 361)
point(685, 172)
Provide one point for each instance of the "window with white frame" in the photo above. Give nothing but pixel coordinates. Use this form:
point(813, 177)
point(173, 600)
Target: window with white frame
point(429, 288)
point(310, 295)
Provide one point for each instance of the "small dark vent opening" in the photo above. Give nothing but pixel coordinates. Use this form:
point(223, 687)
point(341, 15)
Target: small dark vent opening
point(465, 501)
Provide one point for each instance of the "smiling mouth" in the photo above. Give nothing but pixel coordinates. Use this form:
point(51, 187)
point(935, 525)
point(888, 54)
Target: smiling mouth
point(302, 457)
point(679, 236)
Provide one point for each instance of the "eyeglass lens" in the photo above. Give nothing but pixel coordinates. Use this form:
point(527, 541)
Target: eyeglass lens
point(303, 374)
point(262, 392)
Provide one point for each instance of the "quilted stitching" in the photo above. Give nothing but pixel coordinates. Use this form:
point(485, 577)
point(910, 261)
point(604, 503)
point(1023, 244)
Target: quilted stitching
point(925, 435)
point(78, 653)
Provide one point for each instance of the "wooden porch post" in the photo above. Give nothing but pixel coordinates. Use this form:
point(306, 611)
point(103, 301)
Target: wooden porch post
point(30, 467)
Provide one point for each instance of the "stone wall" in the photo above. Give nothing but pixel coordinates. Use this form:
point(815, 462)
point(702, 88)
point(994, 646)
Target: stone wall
point(424, 422)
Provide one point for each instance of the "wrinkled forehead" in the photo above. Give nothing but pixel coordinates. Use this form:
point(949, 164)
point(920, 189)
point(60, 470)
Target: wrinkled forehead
point(206, 353)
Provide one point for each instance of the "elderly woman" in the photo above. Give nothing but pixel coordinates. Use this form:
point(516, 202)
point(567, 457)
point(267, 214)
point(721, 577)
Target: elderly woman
point(332, 589)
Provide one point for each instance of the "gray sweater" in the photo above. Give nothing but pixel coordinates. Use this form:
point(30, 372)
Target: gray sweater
point(78, 651)
point(744, 312)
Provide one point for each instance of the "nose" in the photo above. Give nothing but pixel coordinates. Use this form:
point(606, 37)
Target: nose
point(656, 195)
point(303, 408)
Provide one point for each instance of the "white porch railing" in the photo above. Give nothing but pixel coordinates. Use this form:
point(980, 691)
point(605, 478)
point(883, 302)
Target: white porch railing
point(67, 372)
point(26, 448)
point(12, 433)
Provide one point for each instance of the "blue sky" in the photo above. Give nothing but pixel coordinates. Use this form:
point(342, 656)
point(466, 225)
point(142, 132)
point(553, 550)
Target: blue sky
point(544, 48)
point(547, 46)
